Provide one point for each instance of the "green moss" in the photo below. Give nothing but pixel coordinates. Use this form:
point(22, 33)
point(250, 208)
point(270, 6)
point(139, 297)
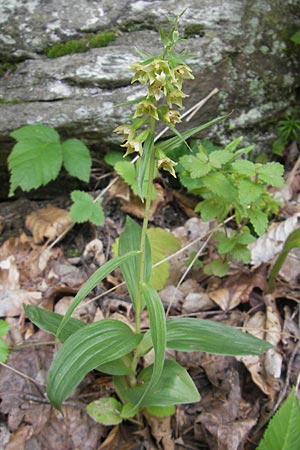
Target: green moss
point(80, 45)
point(194, 29)
point(7, 67)
point(13, 101)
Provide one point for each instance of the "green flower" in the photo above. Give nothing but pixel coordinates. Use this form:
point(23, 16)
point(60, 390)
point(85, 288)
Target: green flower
point(175, 96)
point(167, 164)
point(146, 108)
point(171, 117)
point(127, 130)
point(184, 72)
point(133, 146)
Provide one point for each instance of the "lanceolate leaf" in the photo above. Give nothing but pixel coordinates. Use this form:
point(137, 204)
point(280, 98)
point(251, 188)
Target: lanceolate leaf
point(190, 335)
point(144, 164)
point(284, 428)
point(130, 240)
point(95, 344)
point(175, 386)
point(92, 282)
point(50, 321)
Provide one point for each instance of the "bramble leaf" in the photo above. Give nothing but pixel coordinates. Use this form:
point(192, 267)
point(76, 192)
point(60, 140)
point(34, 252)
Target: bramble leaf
point(249, 191)
point(77, 159)
point(211, 208)
point(244, 167)
point(220, 185)
point(85, 209)
point(195, 164)
point(259, 220)
point(218, 158)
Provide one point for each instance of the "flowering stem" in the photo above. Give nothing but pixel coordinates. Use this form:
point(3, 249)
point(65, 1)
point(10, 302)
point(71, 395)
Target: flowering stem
point(151, 171)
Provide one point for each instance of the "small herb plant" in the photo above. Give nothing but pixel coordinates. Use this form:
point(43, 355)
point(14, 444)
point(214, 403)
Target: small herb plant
point(288, 130)
point(111, 346)
point(229, 185)
point(37, 158)
point(4, 350)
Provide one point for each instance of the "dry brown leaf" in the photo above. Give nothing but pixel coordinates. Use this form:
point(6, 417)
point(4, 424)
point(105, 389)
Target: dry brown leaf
point(11, 301)
point(273, 358)
point(95, 248)
point(17, 440)
point(161, 430)
point(9, 274)
point(270, 244)
point(85, 311)
point(48, 223)
point(237, 289)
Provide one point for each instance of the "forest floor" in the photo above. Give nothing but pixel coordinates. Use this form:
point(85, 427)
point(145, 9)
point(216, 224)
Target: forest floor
point(238, 395)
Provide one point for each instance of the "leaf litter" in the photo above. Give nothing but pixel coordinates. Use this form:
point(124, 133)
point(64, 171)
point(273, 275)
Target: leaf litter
point(235, 390)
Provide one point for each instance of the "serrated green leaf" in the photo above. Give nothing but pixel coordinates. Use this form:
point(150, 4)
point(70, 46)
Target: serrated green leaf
point(91, 283)
point(33, 164)
point(284, 428)
point(162, 244)
point(190, 335)
point(97, 343)
point(220, 185)
point(219, 158)
point(174, 387)
point(213, 207)
point(130, 239)
point(105, 410)
point(4, 327)
point(244, 167)
point(4, 351)
point(84, 209)
point(241, 253)
point(129, 173)
point(195, 164)
point(259, 220)
point(232, 146)
point(112, 158)
point(245, 237)
point(225, 244)
point(77, 159)
point(271, 173)
point(217, 267)
point(249, 191)
point(42, 133)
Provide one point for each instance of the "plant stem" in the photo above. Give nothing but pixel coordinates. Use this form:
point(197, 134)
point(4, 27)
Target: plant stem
point(144, 229)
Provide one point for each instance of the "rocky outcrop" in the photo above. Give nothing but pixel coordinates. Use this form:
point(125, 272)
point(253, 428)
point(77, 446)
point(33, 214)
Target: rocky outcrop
point(241, 47)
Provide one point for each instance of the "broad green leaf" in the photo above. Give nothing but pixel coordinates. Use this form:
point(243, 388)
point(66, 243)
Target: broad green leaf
point(95, 344)
point(218, 158)
point(225, 244)
point(4, 350)
point(213, 207)
point(218, 267)
point(77, 159)
point(175, 386)
point(169, 144)
point(84, 209)
point(162, 244)
point(293, 241)
point(91, 283)
point(241, 253)
point(259, 220)
point(105, 410)
point(271, 173)
point(42, 133)
point(158, 336)
point(296, 37)
point(190, 335)
point(220, 185)
point(161, 411)
point(33, 164)
point(197, 165)
point(50, 322)
point(284, 428)
point(129, 240)
point(249, 191)
point(4, 327)
point(244, 167)
point(111, 158)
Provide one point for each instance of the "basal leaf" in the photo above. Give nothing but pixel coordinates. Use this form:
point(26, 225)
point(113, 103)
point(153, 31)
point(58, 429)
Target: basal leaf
point(33, 164)
point(84, 209)
point(190, 335)
point(161, 411)
point(271, 173)
point(95, 344)
point(91, 283)
point(129, 240)
point(105, 410)
point(77, 159)
point(175, 386)
point(284, 428)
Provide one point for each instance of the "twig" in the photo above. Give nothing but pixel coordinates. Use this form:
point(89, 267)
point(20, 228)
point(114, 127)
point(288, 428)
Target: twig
point(22, 374)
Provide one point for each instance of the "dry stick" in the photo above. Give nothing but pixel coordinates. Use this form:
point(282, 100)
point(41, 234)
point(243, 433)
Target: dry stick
point(190, 113)
point(22, 374)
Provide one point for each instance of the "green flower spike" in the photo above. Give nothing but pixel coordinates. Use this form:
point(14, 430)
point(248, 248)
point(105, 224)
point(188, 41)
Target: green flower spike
point(171, 117)
point(165, 163)
point(133, 146)
point(146, 108)
point(175, 97)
